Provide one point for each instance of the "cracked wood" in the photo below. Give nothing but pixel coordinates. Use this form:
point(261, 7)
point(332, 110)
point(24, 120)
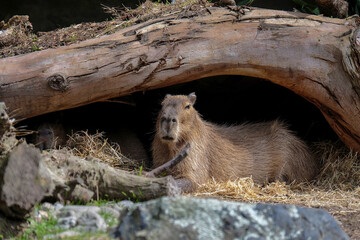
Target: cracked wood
point(314, 56)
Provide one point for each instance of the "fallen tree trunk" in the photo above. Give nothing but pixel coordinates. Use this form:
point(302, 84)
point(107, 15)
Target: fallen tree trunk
point(316, 57)
point(28, 177)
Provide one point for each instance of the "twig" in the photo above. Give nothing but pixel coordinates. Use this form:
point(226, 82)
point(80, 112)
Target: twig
point(170, 164)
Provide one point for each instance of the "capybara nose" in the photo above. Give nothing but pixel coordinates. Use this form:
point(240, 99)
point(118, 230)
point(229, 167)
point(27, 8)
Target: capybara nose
point(168, 120)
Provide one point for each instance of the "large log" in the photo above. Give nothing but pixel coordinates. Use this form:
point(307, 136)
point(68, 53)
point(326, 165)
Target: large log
point(316, 57)
point(28, 177)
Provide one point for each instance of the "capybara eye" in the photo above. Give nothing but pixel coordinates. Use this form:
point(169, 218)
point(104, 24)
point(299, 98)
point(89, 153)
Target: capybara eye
point(187, 107)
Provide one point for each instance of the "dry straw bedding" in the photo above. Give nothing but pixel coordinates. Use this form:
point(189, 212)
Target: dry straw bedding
point(337, 185)
point(336, 188)
point(86, 145)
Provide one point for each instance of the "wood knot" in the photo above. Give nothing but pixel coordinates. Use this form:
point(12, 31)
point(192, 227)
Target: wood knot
point(58, 82)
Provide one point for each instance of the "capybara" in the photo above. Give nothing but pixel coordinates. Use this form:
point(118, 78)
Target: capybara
point(50, 136)
point(266, 151)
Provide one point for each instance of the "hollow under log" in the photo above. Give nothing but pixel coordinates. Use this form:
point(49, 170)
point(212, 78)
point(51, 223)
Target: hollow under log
point(315, 57)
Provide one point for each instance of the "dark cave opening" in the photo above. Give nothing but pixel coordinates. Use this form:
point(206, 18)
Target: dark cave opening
point(220, 99)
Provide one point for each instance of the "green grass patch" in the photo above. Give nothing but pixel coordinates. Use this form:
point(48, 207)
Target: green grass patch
point(37, 230)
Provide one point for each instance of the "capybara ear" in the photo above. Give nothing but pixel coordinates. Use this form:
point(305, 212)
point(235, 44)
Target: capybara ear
point(166, 96)
point(192, 98)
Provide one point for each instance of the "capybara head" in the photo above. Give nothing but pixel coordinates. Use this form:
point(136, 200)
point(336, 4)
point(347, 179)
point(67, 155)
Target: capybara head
point(45, 137)
point(176, 117)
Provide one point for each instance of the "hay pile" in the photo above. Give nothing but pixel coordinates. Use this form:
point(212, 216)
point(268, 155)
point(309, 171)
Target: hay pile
point(337, 185)
point(84, 145)
point(335, 189)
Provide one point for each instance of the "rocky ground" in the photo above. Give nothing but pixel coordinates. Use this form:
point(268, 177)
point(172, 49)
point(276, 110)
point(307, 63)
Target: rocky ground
point(181, 218)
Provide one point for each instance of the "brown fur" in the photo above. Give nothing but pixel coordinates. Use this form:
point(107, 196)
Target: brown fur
point(266, 151)
point(50, 136)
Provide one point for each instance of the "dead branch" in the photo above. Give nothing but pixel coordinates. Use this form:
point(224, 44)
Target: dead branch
point(170, 164)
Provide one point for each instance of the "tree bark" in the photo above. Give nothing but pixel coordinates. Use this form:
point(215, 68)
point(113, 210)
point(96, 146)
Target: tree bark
point(316, 57)
point(28, 177)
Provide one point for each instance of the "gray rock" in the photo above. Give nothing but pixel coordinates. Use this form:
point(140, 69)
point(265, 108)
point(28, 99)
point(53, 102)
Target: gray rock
point(82, 194)
point(67, 220)
point(85, 218)
point(40, 215)
point(47, 207)
point(67, 234)
point(58, 206)
point(91, 221)
point(109, 210)
point(189, 218)
point(120, 206)
point(52, 209)
point(24, 181)
point(125, 203)
point(78, 209)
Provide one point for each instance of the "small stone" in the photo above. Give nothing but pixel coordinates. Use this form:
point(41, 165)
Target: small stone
point(81, 194)
point(83, 217)
point(40, 215)
point(44, 215)
point(115, 213)
point(64, 213)
point(78, 209)
point(67, 234)
point(125, 203)
point(91, 221)
point(48, 207)
point(58, 206)
point(67, 222)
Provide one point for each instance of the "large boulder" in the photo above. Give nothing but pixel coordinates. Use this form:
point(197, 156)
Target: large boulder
point(24, 181)
point(191, 218)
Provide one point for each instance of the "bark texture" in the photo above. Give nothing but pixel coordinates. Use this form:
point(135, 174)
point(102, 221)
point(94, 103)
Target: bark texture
point(316, 57)
point(28, 177)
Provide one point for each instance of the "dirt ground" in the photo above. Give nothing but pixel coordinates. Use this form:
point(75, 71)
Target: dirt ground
point(340, 195)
